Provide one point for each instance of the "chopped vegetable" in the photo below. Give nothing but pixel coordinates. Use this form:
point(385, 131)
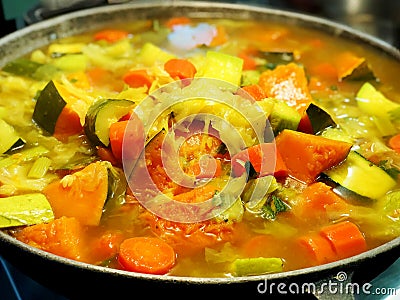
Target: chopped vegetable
point(138, 78)
point(10, 139)
point(256, 266)
point(345, 238)
point(255, 91)
point(394, 142)
point(361, 176)
point(180, 68)
point(62, 236)
point(222, 66)
point(101, 115)
point(318, 248)
point(146, 255)
point(306, 155)
point(25, 209)
point(81, 195)
point(39, 167)
point(283, 117)
point(352, 67)
point(111, 35)
point(288, 83)
point(264, 158)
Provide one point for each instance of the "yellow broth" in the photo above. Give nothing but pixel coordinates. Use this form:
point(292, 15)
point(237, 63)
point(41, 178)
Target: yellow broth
point(225, 240)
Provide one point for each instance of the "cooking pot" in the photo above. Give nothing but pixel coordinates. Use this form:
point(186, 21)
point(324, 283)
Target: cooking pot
point(78, 280)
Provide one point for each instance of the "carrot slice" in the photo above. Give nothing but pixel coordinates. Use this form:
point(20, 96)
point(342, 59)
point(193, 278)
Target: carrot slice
point(138, 78)
point(394, 142)
point(180, 68)
point(146, 255)
point(346, 238)
point(307, 155)
point(117, 132)
point(177, 21)
point(288, 83)
point(317, 248)
point(111, 35)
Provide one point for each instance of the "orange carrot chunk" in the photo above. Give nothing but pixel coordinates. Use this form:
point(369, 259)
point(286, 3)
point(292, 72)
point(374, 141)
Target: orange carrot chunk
point(307, 155)
point(146, 255)
point(138, 78)
point(117, 131)
point(180, 68)
point(394, 142)
point(346, 238)
point(111, 35)
point(317, 248)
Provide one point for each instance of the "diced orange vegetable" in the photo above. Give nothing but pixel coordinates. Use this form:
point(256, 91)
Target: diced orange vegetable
point(180, 68)
point(325, 71)
point(104, 79)
point(318, 248)
point(394, 142)
point(146, 255)
point(177, 21)
point(106, 245)
point(68, 123)
point(263, 245)
point(316, 199)
point(265, 159)
point(111, 35)
point(220, 37)
point(81, 195)
point(63, 236)
point(249, 63)
point(307, 155)
point(346, 238)
point(255, 91)
point(288, 83)
point(305, 124)
point(208, 167)
point(138, 78)
point(117, 131)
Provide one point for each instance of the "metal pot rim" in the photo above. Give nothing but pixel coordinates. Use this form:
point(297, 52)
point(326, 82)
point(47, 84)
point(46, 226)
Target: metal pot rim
point(39, 34)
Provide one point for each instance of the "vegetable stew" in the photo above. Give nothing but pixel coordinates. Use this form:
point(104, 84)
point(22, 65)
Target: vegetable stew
point(201, 147)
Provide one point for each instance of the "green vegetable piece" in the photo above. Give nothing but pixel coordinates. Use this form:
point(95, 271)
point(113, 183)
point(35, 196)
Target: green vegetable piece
point(9, 138)
point(319, 118)
point(283, 117)
point(101, 115)
point(256, 266)
point(373, 103)
point(22, 67)
point(223, 66)
point(361, 176)
point(26, 209)
point(361, 72)
point(24, 155)
point(150, 53)
point(48, 108)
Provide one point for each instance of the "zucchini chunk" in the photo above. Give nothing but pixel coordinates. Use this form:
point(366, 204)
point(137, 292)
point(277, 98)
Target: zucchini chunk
point(53, 114)
point(101, 115)
point(283, 117)
point(10, 140)
point(359, 175)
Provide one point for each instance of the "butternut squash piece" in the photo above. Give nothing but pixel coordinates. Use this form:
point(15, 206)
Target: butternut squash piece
point(307, 155)
point(81, 195)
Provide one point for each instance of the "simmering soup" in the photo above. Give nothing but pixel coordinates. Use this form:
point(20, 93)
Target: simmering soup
point(201, 147)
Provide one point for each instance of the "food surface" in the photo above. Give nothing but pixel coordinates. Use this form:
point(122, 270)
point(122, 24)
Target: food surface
point(201, 147)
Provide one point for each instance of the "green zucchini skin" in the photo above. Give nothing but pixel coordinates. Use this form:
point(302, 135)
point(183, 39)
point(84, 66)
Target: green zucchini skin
point(48, 108)
point(319, 118)
point(10, 140)
point(360, 176)
point(101, 115)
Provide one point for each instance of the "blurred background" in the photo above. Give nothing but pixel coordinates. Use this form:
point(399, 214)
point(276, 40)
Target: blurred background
point(376, 17)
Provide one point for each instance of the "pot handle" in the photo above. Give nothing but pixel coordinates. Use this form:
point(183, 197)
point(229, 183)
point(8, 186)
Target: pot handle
point(337, 287)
